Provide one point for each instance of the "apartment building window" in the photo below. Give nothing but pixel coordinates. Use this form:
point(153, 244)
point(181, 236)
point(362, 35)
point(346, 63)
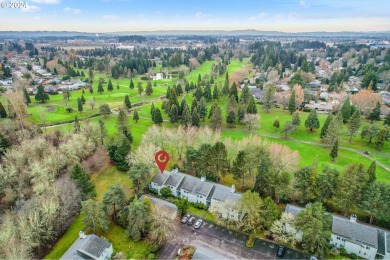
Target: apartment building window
point(367, 247)
point(338, 238)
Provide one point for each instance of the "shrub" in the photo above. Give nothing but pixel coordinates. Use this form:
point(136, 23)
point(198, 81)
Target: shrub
point(96, 161)
point(354, 256)
point(166, 192)
point(153, 191)
point(151, 256)
point(69, 109)
point(153, 248)
point(250, 242)
point(343, 251)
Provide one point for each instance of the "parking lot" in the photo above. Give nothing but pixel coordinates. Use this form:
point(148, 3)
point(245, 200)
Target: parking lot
point(229, 244)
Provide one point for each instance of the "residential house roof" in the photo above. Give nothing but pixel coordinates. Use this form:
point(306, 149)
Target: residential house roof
point(196, 186)
point(388, 241)
point(355, 231)
point(163, 203)
point(205, 254)
point(292, 209)
point(89, 247)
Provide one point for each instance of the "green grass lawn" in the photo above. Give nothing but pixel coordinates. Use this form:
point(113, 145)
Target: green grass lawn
point(201, 213)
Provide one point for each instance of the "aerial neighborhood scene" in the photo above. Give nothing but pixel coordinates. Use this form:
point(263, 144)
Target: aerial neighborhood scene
point(195, 129)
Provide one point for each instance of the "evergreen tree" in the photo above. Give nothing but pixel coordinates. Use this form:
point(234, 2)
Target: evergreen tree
point(268, 98)
point(127, 102)
point(90, 75)
point(233, 91)
point(131, 86)
point(312, 121)
point(239, 167)
point(138, 174)
point(83, 181)
point(212, 109)
point(334, 130)
point(207, 93)
point(117, 85)
point(215, 92)
point(135, 116)
point(3, 112)
point(199, 78)
point(100, 88)
point(137, 219)
point(91, 89)
point(105, 110)
point(183, 104)
point(315, 241)
point(241, 111)
point(152, 108)
point(354, 124)
point(371, 172)
point(276, 124)
point(109, 86)
point(198, 93)
point(225, 89)
point(195, 119)
point(387, 119)
point(186, 117)
point(76, 125)
point(194, 104)
point(140, 88)
point(232, 104)
point(149, 89)
point(174, 114)
point(381, 138)
point(172, 101)
point(27, 98)
point(118, 152)
point(251, 109)
point(114, 200)
point(83, 99)
point(269, 212)
point(346, 110)
point(292, 105)
point(296, 119)
point(334, 152)
point(369, 132)
point(41, 95)
point(94, 215)
point(245, 95)
point(231, 118)
point(103, 131)
point(157, 117)
point(123, 125)
point(324, 128)
point(179, 89)
point(4, 144)
point(375, 114)
point(79, 105)
point(216, 119)
point(202, 108)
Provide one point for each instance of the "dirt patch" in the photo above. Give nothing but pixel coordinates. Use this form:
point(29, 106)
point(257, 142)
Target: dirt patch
point(51, 109)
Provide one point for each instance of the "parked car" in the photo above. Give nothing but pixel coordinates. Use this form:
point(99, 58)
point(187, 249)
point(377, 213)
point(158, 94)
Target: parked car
point(191, 221)
point(198, 223)
point(185, 218)
point(280, 251)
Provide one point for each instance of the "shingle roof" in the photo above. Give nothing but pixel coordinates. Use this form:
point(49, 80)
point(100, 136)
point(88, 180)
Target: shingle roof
point(292, 209)
point(202, 188)
point(174, 179)
point(96, 246)
point(388, 241)
point(168, 205)
point(160, 178)
point(86, 248)
point(355, 231)
point(205, 254)
point(223, 193)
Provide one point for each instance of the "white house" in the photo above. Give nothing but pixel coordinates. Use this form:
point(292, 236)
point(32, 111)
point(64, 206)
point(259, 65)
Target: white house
point(89, 247)
point(197, 190)
point(364, 240)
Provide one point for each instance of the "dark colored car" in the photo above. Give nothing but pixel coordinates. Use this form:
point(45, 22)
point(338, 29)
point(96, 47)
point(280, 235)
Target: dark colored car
point(280, 251)
point(198, 224)
point(185, 218)
point(191, 221)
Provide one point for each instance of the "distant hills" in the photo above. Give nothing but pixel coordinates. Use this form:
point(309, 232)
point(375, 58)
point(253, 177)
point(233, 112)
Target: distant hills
point(55, 34)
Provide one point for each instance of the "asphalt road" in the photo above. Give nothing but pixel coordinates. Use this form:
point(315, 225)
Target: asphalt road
point(229, 244)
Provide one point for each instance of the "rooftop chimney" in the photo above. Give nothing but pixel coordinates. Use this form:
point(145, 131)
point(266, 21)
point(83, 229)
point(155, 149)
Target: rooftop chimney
point(353, 218)
point(233, 188)
point(81, 235)
point(203, 178)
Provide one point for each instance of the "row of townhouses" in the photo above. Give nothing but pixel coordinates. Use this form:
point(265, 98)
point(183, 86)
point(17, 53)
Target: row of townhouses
point(364, 240)
point(197, 190)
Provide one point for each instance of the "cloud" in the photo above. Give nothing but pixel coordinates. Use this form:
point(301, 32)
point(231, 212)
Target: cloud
point(108, 17)
point(46, 2)
point(30, 8)
point(201, 15)
point(74, 11)
point(303, 4)
point(258, 17)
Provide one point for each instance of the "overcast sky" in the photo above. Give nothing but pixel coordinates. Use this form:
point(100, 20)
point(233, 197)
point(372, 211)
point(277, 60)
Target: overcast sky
point(139, 15)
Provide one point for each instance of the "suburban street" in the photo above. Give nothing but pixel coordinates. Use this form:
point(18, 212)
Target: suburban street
point(229, 244)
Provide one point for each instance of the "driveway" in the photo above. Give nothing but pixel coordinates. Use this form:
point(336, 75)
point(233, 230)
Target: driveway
point(229, 244)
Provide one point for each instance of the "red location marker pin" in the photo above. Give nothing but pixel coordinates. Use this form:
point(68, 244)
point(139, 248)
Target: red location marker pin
point(162, 159)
